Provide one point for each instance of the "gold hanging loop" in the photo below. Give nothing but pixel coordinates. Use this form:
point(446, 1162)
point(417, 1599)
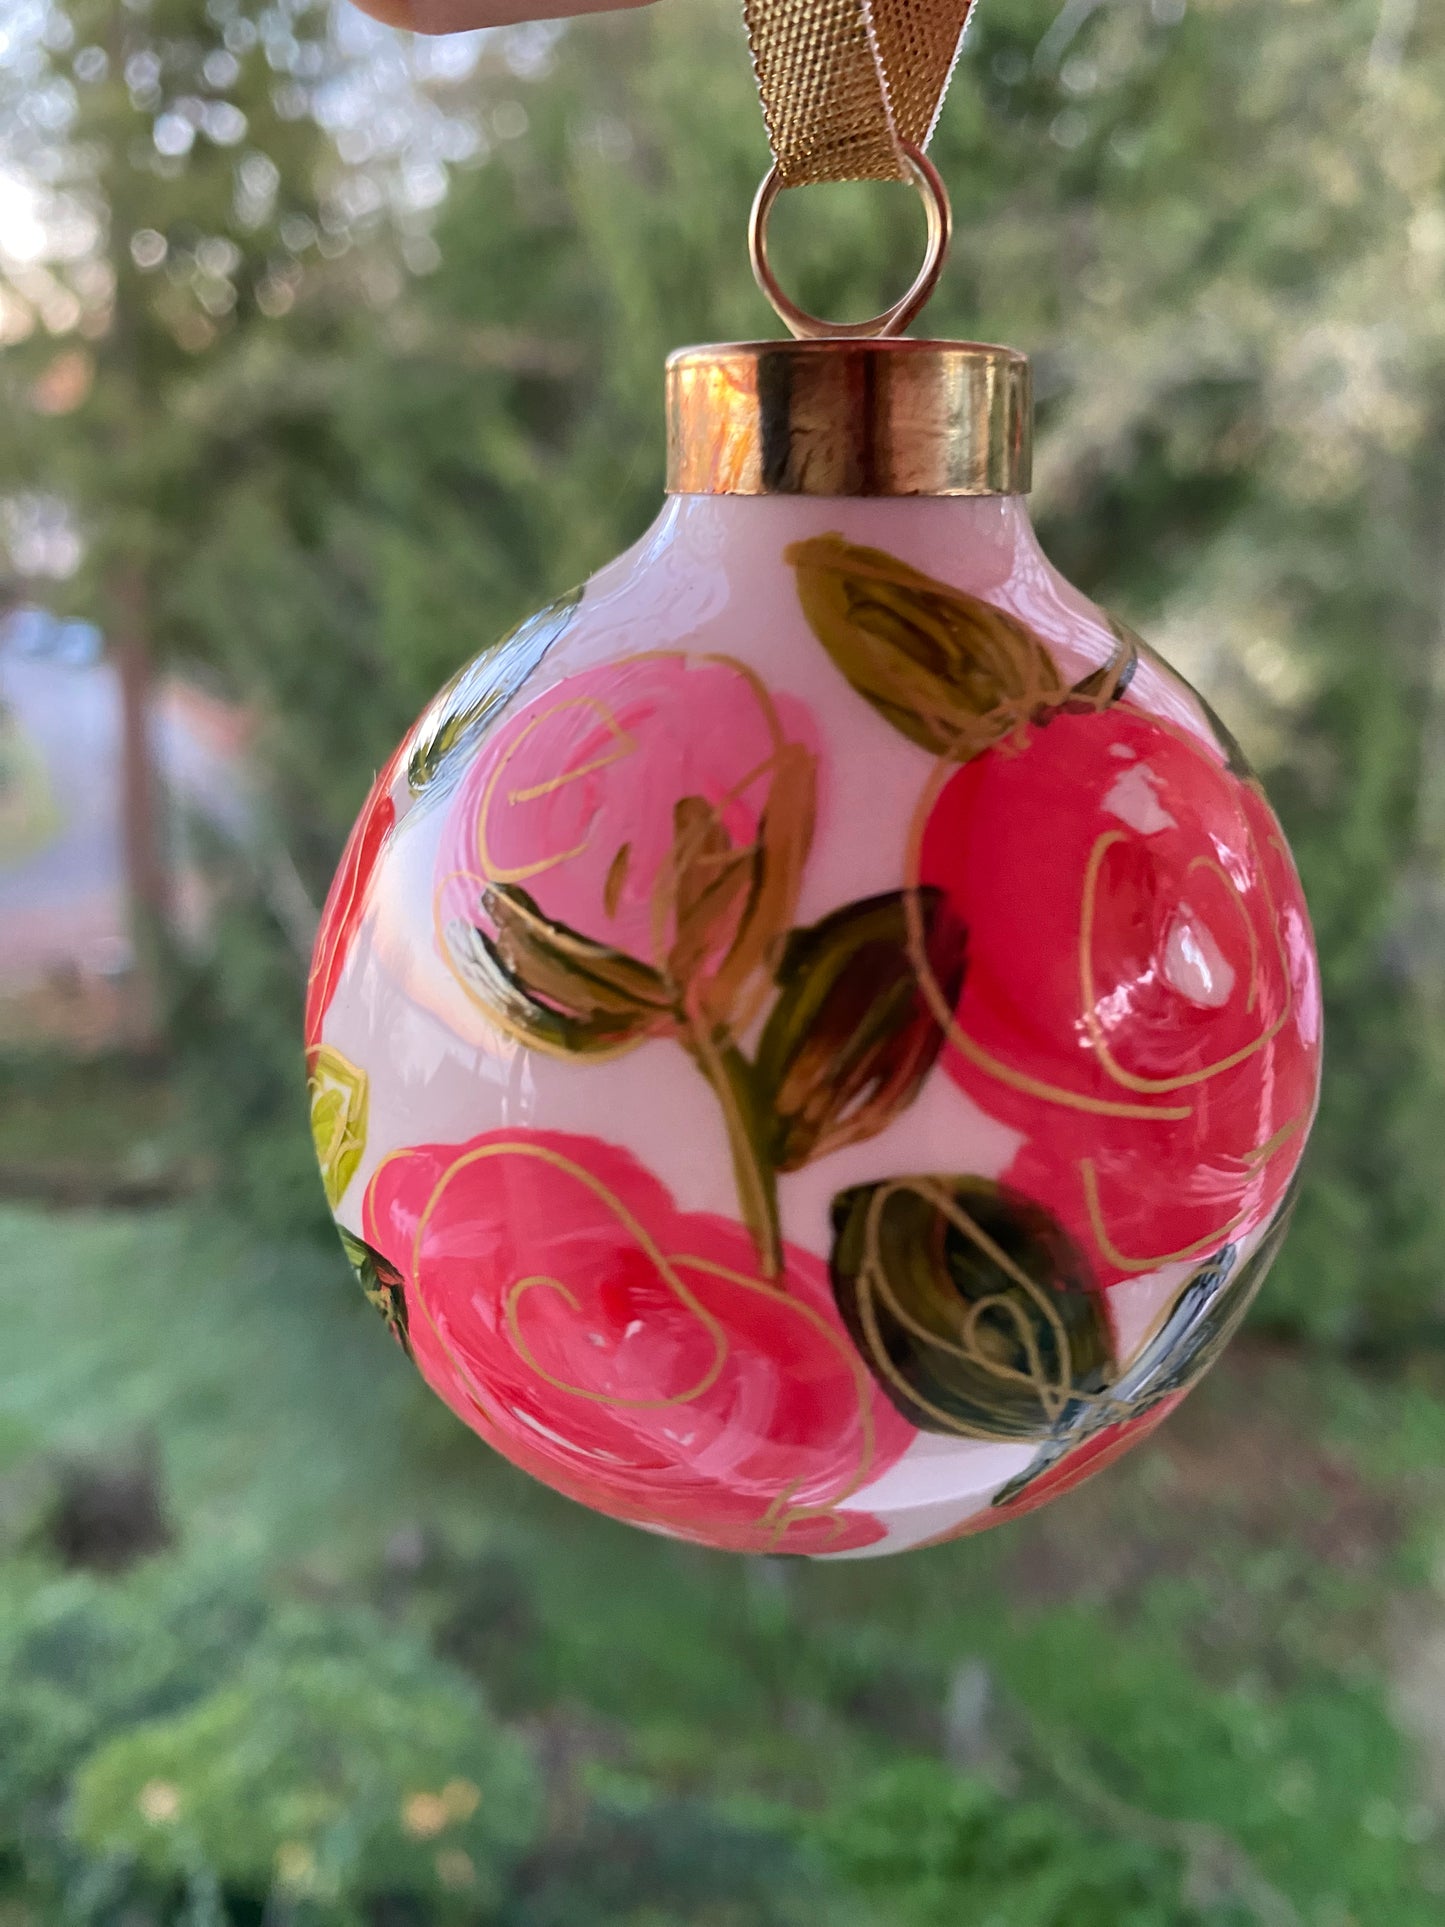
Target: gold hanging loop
point(892, 321)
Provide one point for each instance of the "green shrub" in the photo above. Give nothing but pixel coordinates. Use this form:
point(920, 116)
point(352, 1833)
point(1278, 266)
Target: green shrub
point(338, 1777)
point(189, 1736)
point(933, 1848)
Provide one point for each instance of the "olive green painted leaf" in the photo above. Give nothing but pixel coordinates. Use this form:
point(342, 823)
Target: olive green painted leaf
point(709, 880)
point(551, 987)
point(477, 692)
point(971, 1305)
point(774, 876)
point(339, 1105)
point(852, 1037)
point(953, 673)
point(382, 1283)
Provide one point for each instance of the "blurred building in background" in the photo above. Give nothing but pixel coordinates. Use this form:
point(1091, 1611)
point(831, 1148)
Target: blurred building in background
point(66, 951)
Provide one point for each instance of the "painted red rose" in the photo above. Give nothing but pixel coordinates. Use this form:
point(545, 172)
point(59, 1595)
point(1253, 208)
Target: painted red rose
point(1142, 998)
point(346, 900)
point(627, 1353)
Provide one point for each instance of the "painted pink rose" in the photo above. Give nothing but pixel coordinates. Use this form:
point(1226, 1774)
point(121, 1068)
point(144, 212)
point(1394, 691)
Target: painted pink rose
point(630, 1354)
point(625, 848)
point(1142, 1000)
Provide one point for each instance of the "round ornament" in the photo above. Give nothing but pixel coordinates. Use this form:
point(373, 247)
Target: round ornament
point(813, 1034)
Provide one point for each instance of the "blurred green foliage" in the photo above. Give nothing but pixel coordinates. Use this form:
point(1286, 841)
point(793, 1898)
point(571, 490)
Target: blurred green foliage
point(338, 1761)
point(932, 1847)
point(199, 1736)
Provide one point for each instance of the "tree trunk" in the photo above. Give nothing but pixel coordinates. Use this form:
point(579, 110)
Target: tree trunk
point(143, 858)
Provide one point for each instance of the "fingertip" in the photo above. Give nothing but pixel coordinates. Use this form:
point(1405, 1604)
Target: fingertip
point(466, 16)
point(391, 13)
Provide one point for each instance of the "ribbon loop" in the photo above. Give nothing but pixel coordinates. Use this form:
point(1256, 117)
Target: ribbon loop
point(848, 85)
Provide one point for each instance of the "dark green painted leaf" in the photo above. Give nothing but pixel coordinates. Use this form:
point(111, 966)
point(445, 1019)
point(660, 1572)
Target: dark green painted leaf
point(950, 671)
point(478, 692)
point(382, 1283)
point(971, 1305)
point(551, 987)
point(851, 1037)
point(711, 880)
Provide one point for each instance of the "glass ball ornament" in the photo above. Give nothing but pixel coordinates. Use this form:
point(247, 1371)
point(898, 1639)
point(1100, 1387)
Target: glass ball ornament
point(813, 1034)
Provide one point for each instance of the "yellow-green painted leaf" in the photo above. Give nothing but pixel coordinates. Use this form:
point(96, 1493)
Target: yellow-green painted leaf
point(339, 1102)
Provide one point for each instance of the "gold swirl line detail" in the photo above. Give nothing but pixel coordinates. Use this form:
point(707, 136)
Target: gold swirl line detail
point(641, 1516)
point(1197, 1249)
point(942, 1012)
point(1087, 992)
point(519, 1147)
point(857, 1369)
point(1263, 1152)
point(875, 1285)
point(624, 743)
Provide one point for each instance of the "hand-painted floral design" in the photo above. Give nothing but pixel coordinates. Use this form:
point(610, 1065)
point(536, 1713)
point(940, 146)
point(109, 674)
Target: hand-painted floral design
point(1141, 998)
point(628, 1353)
point(623, 861)
point(1092, 928)
point(338, 1089)
point(658, 810)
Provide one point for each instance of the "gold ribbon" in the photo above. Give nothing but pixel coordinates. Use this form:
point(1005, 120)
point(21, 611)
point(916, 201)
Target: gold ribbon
point(845, 83)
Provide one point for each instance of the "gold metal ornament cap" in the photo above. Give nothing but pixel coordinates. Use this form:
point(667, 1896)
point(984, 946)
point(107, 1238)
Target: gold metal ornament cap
point(849, 417)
